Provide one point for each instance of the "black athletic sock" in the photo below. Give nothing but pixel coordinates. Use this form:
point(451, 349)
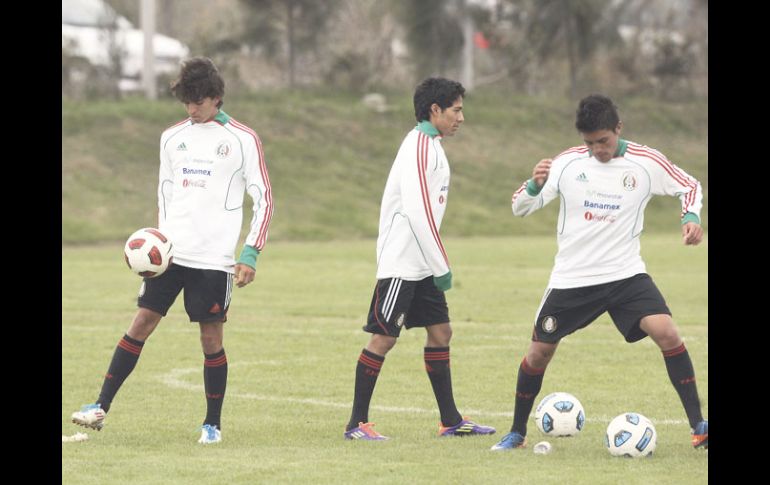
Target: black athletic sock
point(528, 386)
point(123, 362)
point(214, 382)
point(367, 370)
point(437, 366)
point(682, 375)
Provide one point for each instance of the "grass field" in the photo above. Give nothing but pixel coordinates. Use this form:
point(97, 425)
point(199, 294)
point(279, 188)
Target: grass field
point(292, 341)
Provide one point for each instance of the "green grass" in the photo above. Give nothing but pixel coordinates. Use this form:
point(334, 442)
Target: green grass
point(329, 157)
point(292, 341)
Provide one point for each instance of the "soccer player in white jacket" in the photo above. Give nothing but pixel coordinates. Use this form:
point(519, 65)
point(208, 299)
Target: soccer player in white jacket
point(412, 266)
point(604, 188)
point(207, 163)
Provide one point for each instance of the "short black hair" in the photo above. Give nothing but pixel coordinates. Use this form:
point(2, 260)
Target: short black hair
point(439, 90)
point(596, 112)
point(199, 78)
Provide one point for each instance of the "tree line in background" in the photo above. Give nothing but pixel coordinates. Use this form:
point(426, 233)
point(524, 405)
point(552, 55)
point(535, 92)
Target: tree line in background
point(648, 47)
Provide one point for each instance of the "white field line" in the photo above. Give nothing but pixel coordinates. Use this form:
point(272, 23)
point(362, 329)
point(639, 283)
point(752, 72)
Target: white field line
point(175, 379)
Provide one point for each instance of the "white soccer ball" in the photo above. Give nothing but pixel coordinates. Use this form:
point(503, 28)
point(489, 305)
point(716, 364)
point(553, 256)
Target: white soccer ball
point(631, 434)
point(148, 252)
point(560, 414)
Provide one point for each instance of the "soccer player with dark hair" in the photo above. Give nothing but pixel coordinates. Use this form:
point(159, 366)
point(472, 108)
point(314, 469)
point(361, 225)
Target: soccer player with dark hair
point(604, 188)
point(412, 266)
point(207, 162)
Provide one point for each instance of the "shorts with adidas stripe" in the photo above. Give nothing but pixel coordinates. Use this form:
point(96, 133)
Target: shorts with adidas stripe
point(207, 292)
point(398, 303)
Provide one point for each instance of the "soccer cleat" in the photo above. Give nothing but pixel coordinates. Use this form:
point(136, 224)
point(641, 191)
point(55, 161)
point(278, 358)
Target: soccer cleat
point(210, 434)
point(90, 416)
point(466, 427)
point(700, 435)
point(510, 441)
point(365, 432)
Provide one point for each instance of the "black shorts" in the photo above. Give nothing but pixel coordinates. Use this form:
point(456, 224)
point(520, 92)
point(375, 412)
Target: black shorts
point(398, 303)
point(564, 311)
point(206, 292)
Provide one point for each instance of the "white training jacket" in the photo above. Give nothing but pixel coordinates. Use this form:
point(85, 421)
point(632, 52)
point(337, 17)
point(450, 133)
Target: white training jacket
point(204, 170)
point(409, 245)
point(601, 215)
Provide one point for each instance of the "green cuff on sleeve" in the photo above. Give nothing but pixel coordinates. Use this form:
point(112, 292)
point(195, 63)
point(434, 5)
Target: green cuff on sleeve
point(532, 188)
point(443, 282)
point(249, 256)
point(690, 217)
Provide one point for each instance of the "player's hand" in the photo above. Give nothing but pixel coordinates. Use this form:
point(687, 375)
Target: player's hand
point(692, 234)
point(541, 171)
point(243, 275)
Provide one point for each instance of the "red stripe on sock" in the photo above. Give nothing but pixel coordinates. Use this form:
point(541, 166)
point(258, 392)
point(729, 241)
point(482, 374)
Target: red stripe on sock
point(436, 355)
point(530, 370)
point(673, 352)
point(219, 361)
point(369, 362)
point(129, 347)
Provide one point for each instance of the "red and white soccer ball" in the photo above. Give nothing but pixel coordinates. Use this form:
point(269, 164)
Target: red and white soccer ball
point(148, 252)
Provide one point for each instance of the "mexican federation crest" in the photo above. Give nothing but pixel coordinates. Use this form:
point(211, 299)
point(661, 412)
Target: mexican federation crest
point(549, 324)
point(400, 319)
point(223, 149)
point(629, 181)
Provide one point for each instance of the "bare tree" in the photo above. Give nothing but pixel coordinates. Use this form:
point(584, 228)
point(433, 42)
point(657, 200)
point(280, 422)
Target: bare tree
point(577, 26)
point(300, 23)
point(433, 34)
point(665, 47)
point(361, 51)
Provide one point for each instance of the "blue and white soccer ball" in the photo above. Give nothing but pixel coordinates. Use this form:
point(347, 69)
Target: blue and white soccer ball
point(560, 414)
point(632, 435)
point(148, 252)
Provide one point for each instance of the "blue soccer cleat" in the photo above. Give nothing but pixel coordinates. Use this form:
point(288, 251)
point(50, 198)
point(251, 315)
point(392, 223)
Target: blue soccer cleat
point(90, 416)
point(510, 441)
point(466, 427)
point(210, 434)
point(700, 435)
